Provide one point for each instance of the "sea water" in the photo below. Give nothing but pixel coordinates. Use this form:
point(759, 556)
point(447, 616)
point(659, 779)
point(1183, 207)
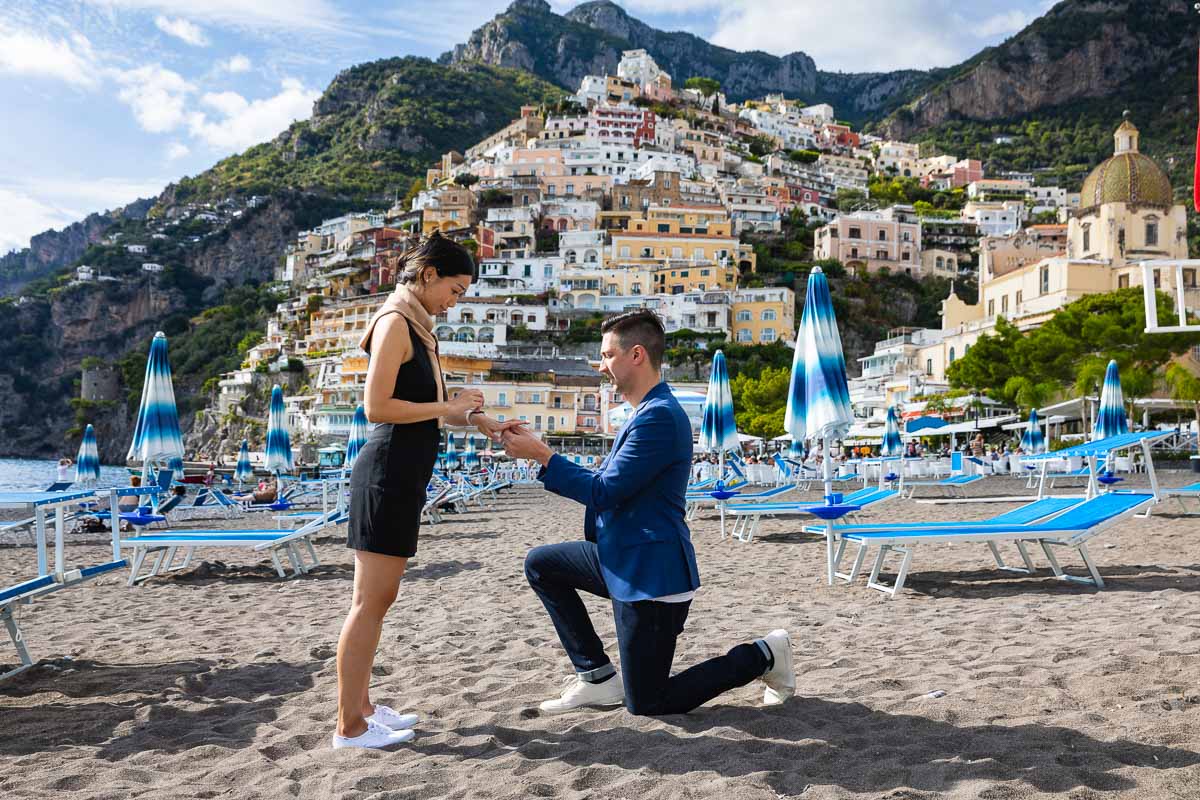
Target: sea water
point(23, 473)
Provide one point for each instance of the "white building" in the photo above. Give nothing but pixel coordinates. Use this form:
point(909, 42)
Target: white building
point(593, 89)
point(581, 247)
point(639, 67)
point(137, 249)
point(151, 266)
point(509, 276)
point(996, 218)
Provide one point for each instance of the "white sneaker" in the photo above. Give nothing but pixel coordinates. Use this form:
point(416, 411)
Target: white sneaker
point(390, 718)
point(580, 694)
point(781, 678)
point(375, 737)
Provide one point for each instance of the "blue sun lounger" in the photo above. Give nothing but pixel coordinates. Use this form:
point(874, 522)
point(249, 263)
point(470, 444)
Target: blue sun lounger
point(271, 540)
point(952, 486)
point(748, 515)
point(1072, 529)
point(47, 580)
point(1030, 512)
point(696, 500)
point(1192, 491)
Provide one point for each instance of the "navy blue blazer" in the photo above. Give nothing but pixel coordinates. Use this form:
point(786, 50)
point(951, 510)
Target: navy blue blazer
point(635, 502)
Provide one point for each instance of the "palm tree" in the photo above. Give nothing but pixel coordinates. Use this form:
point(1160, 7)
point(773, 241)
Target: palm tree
point(1136, 383)
point(1185, 387)
point(1088, 380)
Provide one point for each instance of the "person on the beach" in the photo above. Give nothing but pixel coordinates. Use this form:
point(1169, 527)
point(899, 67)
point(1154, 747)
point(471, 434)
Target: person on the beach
point(406, 397)
point(637, 551)
point(64, 469)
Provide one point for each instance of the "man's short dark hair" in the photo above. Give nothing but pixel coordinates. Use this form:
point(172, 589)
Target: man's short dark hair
point(639, 327)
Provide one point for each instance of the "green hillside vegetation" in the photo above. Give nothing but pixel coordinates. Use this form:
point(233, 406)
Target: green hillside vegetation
point(378, 126)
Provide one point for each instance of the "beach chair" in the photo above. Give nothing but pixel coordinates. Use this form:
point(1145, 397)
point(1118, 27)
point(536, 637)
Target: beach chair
point(1036, 511)
point(1071, 529)
point(748, 515)
point(273, 541)
point(954, 486)
point(47, 580)
point(1189, 492)
point(694, 501)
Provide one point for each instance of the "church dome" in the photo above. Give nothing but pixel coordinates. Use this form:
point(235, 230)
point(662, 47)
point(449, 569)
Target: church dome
point(1127, 177)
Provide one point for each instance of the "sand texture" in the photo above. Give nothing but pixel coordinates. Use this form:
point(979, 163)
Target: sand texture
point(219, 682)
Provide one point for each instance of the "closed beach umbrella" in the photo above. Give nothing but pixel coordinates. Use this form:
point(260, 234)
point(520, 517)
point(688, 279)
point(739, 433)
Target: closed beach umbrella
point(718, 428)
point(451, 453)
point(818, 397)
point(470, 457)
point(1110, 419)
point(279, 445)
point(156, 434)
point(358, 436)
point(892, 447)
point(797, 449)
point(87, 461)
point(818, 404)
point(243, 472)
point(1032, 441)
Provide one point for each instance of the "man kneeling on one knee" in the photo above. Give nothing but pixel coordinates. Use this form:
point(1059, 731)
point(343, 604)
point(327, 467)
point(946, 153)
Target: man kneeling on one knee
point(637, 551)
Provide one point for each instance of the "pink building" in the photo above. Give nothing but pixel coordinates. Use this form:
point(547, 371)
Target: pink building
point(871, 241)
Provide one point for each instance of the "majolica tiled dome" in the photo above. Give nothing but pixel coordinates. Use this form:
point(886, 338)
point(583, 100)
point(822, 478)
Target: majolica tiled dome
point(1127, 177)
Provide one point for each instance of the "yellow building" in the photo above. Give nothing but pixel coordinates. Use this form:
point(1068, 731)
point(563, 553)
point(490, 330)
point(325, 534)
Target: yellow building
point(1127, 216)
point(762, 316)
point(451, 207)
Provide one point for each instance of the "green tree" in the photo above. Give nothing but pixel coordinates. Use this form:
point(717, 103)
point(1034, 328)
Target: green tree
point(706, 86)
point(1185, 388)
point(760, 402)
point(466, 179)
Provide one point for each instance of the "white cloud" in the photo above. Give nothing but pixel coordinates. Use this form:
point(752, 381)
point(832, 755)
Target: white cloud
point(38, 204)
point(236, 63)
point(862, 35)
point(273, 14)
point(240, 123)
point(158, 96)
point(177, 150)
point(1002, 24)
point(182, 29)
point(35, 55)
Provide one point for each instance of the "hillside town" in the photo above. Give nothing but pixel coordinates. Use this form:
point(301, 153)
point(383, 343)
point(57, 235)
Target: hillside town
point(635, 193)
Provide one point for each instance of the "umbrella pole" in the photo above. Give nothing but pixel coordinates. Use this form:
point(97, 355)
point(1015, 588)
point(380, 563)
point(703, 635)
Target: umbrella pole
point(827, 464)
point(721, 486)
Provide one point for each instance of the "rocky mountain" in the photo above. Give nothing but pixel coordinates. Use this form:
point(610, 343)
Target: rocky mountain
point(53, 249)
point(589, 39)
point(1080, 55)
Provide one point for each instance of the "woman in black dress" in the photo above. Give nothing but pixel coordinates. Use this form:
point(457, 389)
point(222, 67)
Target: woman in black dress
point(406, 398)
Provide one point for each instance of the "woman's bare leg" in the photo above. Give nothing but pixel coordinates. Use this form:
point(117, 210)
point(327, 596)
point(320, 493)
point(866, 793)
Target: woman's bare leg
point(376, 581)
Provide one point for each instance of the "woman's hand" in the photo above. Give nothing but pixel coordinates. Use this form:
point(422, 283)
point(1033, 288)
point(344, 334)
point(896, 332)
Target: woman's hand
point(494, 428)
point(467, 400)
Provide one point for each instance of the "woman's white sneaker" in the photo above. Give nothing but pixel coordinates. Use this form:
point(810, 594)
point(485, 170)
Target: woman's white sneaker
point(581, 694)
point(376, 736)
point(390, 718)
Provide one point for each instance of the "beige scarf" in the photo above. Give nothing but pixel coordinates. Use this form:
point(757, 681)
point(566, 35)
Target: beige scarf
point(405, 303)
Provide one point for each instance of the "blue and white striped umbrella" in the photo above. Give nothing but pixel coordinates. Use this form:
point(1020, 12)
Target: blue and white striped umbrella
point(243, 472)
point(358, 435)
point(279, 444)
point(718, 428)
point(797, 449)
point(156, 435)
point(818, 398)
point(451, 453)
point(892, 447)
point(1032, 440)
point(1110, 419)
point(470, 457)
point(87, 461)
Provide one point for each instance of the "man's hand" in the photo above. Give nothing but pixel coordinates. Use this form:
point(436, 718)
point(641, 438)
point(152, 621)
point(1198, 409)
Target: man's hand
point(519, 442)
point(494, 428)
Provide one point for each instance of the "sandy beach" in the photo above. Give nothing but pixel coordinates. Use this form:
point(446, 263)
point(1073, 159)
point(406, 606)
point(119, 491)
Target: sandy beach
point(218, 682)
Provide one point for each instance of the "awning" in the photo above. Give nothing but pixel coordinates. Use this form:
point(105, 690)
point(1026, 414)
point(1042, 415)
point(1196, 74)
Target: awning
point(924, 423)
point(971, 426)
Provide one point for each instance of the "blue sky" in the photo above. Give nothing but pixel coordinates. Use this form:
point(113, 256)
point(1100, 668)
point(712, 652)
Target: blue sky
point(108, 100)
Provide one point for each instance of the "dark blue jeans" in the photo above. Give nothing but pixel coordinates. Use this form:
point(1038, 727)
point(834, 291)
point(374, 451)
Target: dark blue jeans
point(646, 634)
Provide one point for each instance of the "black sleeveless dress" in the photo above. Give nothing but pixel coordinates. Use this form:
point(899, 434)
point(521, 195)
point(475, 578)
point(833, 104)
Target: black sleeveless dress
point(387, 485)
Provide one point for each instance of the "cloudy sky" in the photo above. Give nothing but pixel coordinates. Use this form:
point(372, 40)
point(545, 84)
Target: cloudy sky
point(105, 101)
